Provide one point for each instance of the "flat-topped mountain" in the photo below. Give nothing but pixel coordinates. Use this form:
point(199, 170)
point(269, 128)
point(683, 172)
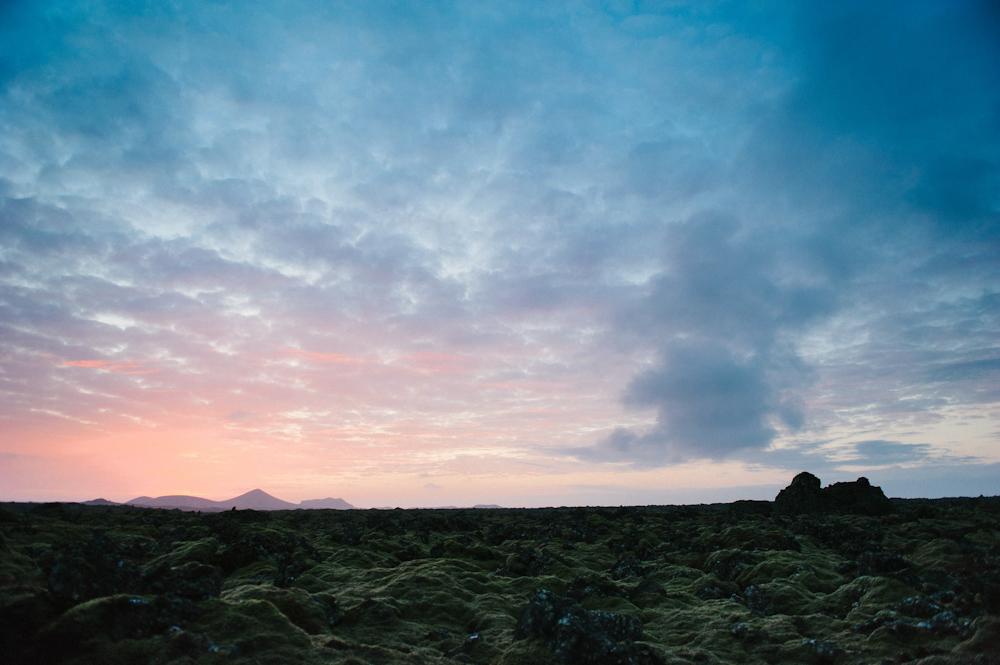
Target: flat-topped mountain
point(252, 500)
point(334, 504)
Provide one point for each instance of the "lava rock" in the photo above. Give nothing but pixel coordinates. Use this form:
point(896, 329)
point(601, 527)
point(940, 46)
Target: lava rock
point(921, 608)
point(729, 567)
point(527, 562)
point(593, 585)
point(93, 569)
point(193, 580)
point(648, 586)
point(755, 599)
point(579, 636)
point(826, 652)
point(858, 498)
point(805, 494)
point(711, 593)
point(467, 646)
point(289, 570)
point(191, 644)
point(628, 566)
point(945, 623)
point(747, 634)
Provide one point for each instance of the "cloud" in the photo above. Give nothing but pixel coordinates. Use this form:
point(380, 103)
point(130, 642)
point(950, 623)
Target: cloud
point(945, 480)
point(879, 452)
point(861, 213)
point(965, 371)
point(721, 316)
point(680, 232)
point(127, 367)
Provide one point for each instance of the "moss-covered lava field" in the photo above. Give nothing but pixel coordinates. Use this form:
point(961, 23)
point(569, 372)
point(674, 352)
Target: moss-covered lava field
point(732, 583)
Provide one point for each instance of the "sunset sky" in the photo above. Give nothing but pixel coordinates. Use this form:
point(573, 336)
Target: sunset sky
point(523, 253)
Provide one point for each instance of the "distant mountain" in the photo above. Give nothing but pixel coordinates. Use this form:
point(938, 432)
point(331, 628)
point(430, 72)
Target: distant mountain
point(252, 500)
point(334, 504)
point(258, 500)
point(176, 501)
point(486, 505)
point(100, 502)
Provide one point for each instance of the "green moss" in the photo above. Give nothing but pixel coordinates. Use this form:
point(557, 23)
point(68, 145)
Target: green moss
point(528, 652)
point(985, 641)
point(787, 597)
point(123, 652)
point(938, 554)
point(199, 551)
point(353, 558)
point(395, 609)
point(313, 614)
point(252, 625)
point(878, 593)
point(984, 537)
point(247, 574)
point(17, 568)
point(610, 604)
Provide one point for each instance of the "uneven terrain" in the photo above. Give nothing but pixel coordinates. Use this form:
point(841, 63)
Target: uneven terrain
point(733, 583)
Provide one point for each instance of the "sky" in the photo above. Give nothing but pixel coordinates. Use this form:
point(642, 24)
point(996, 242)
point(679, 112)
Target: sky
point(520, 253)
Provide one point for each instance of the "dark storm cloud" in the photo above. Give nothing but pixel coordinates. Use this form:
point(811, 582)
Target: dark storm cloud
point(879, 172)
point(721, 318)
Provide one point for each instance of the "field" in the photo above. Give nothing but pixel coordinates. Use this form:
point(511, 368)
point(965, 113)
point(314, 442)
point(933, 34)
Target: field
point(728, 583)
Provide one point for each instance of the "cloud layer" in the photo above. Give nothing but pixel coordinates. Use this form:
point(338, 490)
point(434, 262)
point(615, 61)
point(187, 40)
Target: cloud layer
point(318, 243)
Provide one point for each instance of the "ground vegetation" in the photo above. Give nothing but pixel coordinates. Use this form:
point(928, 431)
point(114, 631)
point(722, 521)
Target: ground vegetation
point(879, 582)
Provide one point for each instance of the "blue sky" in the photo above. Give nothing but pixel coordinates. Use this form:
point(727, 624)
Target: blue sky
point(516, 253)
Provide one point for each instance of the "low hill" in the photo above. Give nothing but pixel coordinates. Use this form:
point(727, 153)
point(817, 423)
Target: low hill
point(100, 502)
point(334, 504)
point(252, 500)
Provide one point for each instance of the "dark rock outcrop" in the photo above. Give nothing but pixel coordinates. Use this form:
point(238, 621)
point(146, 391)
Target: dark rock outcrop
point(803, 495)
point(806, 495)
point(859, 497)
point(584, 637)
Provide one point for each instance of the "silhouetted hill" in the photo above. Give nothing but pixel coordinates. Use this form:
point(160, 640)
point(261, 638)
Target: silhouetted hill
point(176, 501)
point(334, 504)
point(258, 500)
point(252, 500)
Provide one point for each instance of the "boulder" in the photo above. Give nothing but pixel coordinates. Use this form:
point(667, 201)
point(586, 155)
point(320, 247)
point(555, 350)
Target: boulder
point(859, 498)
point(805, 495)
point(583, 637)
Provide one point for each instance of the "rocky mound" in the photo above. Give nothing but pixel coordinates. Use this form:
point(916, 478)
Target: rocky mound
point(584, 637)
point(807, 496)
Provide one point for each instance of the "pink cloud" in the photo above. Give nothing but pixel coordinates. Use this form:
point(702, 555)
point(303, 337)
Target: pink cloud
point(125, 367)
point(328, 358)
point(438, 363)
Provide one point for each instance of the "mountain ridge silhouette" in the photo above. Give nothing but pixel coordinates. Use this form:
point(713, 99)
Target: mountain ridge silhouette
point(256, 499)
